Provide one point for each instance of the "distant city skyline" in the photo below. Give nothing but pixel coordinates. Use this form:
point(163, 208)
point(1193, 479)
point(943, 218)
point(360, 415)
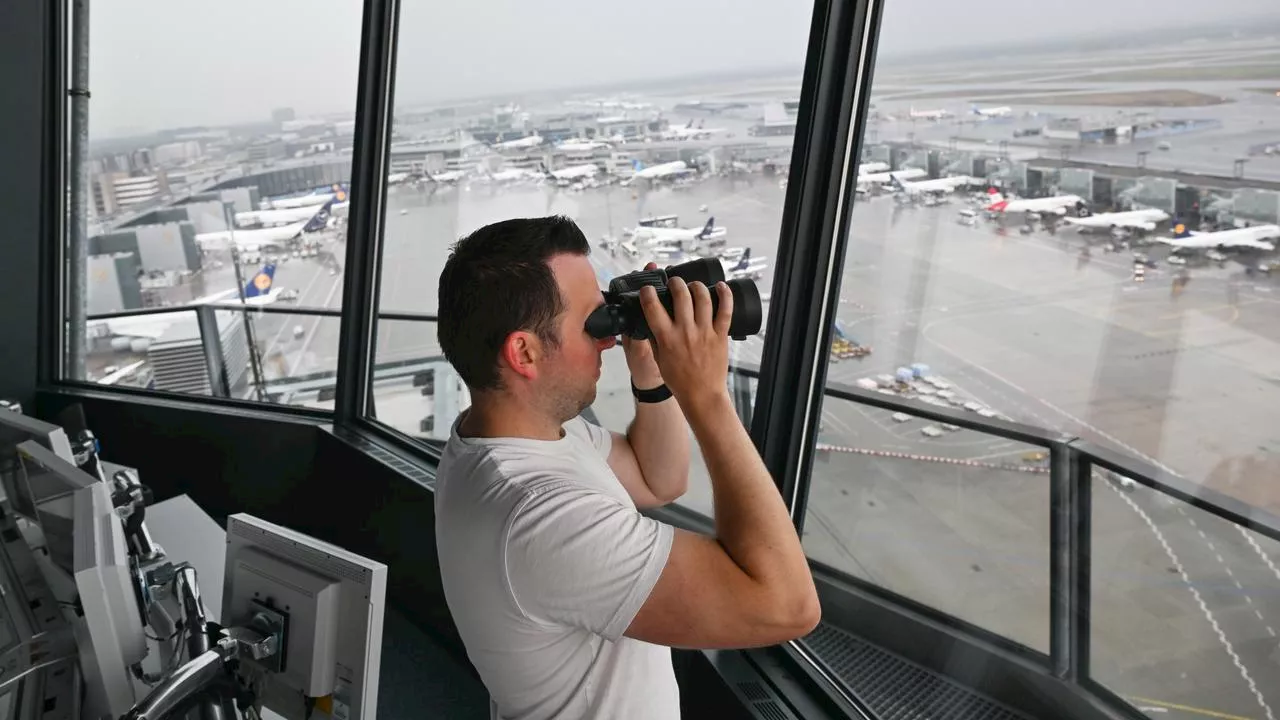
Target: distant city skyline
point(235, 61)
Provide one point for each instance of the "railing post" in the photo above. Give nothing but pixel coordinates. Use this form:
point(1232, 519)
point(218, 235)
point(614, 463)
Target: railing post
point(1070, 485)
point(211, 343)
point(1061, 627)
point(1082, 563)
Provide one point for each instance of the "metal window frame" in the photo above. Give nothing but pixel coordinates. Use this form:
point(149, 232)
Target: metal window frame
point(375, 103)
point(829, 128)
point(51, 305)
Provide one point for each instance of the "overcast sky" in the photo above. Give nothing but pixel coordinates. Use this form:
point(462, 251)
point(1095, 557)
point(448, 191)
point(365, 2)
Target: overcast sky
point(158, 64)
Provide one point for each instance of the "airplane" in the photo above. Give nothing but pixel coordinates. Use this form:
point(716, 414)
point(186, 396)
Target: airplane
point(283, 216)
point(872, 167)
point(665, 170)
point(885, 177)
point(940, 185)
point(1056, 205)
point(744, 266)
point(929, 114)
point(448, 177)
point(580, 146)
point(1003, 111)
point(257, 292)
point(524, 143)
point(689, 132)
point(1257, 237)
point(259, 238)
point(573, 172)
point(507, 176)
point(1134, 219)
point(686, 238)
point(335, 193)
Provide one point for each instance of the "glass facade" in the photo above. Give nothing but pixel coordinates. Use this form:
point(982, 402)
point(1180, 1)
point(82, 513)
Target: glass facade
point(1047, 353)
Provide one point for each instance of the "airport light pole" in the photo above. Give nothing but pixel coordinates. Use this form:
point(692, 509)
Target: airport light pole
point(1142, 158)
point(1238, 172)
point(255, 360)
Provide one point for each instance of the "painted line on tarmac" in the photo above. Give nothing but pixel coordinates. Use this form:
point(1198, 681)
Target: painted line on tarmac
point(931, 458)
point(1186, 708)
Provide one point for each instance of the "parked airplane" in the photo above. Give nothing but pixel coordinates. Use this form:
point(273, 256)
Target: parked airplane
point(872, 167)
point(885, 177)
point(1004, 111)
point(929, 114)
point(665, 170)
point(573, 172)
point(939, 186)
point(283, 216)
point(509, 175)
point(336, 193)
point(580, 146)
point(259, 238)
point(686, 238)
point(448, 177)
point(689, 132)
point(1056, 205)
point(524, 143)
point(739, 266)
point(257, 292)
point(1258, 237)
point(1134, 219)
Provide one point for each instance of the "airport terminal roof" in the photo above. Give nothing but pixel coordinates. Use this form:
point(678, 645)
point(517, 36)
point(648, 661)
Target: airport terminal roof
point(1130, 171)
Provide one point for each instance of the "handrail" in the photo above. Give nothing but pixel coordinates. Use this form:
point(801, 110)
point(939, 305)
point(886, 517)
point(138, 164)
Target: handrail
point(261, 309)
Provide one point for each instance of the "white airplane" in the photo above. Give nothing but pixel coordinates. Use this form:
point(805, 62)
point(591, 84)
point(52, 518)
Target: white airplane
point(448, 177)
point(940, 185)
point(1134, 219)
point(886, 177)
point(398, 178)
point(1258, 237)
point(1003, 111)
point(581, 146)
point(929, 114)
point(283, 216)
point(686, 238)
point(257, 292)
point(573, 172)
point(256, 239)
point(509, 175)
point(1056, 205)
point(665, 170)
point(741, 265)
point(872, 167)
point(689, 132)
point(336, 193)
point(524, 143)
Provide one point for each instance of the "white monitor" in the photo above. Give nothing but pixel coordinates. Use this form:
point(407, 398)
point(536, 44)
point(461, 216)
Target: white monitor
point(332, 601)
point(16, 428)
point(112, 638)
point(53, 481)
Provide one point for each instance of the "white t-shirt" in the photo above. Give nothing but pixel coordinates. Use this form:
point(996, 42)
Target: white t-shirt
point(545, 562)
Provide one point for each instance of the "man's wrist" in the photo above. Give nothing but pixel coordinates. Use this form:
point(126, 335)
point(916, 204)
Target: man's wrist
point(647, 382)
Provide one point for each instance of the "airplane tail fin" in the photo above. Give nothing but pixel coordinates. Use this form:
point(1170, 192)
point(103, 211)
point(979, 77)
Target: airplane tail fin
point(636, 164)
point(260, 283)
point(1180, 230)
point(896, 182)
point(706, 229)
point(744, 262)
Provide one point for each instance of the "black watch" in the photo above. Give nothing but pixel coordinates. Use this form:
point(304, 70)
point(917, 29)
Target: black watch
point(655, 395)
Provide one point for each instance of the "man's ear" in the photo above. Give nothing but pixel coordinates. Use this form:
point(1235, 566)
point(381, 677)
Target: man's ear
point(521, 352)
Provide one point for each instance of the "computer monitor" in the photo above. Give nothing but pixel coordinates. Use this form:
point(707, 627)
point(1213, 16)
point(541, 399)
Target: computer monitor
point(16, 428)
point(52, 482)
point(331, 603)
point(112, 638)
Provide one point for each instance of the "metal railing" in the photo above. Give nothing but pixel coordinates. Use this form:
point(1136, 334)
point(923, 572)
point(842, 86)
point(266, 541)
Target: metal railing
point(1072, 465)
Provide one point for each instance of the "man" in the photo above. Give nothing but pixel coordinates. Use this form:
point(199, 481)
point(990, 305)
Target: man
point(564, 594)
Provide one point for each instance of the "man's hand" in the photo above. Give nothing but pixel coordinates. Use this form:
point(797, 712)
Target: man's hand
point(692, 348)
point(640, 360)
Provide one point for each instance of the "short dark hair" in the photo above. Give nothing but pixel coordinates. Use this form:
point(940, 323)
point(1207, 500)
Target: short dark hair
point(496, 282)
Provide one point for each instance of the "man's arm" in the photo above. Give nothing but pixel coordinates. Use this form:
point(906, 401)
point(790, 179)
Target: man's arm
point(652, 459)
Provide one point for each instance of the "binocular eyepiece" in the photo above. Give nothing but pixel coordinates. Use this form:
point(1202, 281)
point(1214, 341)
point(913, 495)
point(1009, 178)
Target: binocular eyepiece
point(622, 314)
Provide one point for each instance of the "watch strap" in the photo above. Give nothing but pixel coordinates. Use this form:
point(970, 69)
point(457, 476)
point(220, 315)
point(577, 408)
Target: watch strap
point(654, 395)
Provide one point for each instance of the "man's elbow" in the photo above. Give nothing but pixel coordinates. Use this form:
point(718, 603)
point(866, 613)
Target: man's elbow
point(792, 617)
point(672, 490)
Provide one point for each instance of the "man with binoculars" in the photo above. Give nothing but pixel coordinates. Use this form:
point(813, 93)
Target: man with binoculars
point(565, 595)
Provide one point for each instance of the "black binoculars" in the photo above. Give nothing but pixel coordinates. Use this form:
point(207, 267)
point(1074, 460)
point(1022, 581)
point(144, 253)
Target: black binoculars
point(621, 313)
